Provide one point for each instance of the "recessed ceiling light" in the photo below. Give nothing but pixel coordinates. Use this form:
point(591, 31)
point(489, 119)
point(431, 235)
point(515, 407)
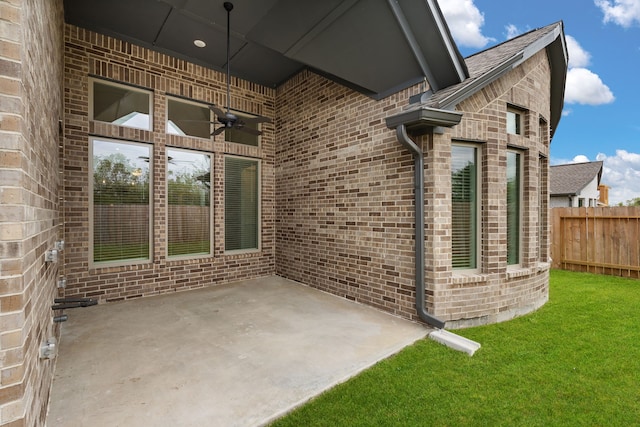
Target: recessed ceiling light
point(199, 43)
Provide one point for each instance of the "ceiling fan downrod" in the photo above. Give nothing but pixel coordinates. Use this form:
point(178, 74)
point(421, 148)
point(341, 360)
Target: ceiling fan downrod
point(228, 6)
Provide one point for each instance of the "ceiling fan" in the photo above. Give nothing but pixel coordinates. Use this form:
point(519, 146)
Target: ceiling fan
point(227, 119)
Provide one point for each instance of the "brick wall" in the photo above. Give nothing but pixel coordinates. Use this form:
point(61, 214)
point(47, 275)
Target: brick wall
point(337, 188)
point(495, 292)
point(90, 54)
point(30, 110)
point(344, 215)
point(344, 194)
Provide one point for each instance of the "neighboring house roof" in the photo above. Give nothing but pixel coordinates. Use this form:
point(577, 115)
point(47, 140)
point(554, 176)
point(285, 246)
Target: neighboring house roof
point(570, 179)
point(377, 47)
point(487, 66)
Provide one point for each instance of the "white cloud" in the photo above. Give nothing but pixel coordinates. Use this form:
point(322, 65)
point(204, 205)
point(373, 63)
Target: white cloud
point(622, 174)
point(465, 22)
point(621, 12)
point(580, 158)
point(578, 57)
point(512, 31)
point(585, 87)
point(582, 86)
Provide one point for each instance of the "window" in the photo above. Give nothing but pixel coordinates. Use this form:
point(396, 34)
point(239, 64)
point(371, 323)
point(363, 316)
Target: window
point(464, 200)
point(240, 137)
point(543, 130)
point(514, 202)
point(241, 204)
point(514, 121)
point(189, 203)
point(121, 202)
point(120, 104)
point(188, 118)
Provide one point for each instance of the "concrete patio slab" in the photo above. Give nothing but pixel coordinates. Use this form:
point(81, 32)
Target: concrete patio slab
point(233, 355)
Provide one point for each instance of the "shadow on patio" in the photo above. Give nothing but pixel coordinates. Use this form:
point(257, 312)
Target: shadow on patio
point(233, 355)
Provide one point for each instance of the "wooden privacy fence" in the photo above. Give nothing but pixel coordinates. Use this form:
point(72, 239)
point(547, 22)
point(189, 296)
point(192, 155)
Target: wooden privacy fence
point(597, 240)
point(129, 224)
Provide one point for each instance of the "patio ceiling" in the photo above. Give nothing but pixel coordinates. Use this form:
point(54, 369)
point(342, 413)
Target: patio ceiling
point(375, 46)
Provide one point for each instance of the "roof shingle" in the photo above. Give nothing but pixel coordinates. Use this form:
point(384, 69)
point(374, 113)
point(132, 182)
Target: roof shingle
point(571, 178)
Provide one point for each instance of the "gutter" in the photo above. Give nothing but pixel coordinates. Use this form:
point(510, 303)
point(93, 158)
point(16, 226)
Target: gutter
point(420, 119)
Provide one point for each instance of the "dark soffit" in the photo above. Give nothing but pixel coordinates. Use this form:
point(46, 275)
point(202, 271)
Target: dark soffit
point(375, 46)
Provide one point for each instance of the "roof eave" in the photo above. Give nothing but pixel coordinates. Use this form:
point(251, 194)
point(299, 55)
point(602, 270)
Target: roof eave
point(555, 44)
point(558, 60)
point(458, 96)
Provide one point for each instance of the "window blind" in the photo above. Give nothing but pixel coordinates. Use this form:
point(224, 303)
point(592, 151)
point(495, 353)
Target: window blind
point(241, 203)
point(464, 206)
point(513, 207)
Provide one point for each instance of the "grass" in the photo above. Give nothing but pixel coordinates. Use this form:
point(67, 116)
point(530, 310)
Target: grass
point(141, 250)
point(574, 362)
point(120, 251)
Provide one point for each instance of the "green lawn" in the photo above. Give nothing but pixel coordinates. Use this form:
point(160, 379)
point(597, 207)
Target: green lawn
point(574, 362)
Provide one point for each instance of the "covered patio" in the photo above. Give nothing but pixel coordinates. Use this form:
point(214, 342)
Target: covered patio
point(234, 355)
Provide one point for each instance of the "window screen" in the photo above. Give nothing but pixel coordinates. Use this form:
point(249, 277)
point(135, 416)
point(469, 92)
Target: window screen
point(121, 202)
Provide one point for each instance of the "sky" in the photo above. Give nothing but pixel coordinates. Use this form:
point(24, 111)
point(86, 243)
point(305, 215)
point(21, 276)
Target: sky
point(601, 115)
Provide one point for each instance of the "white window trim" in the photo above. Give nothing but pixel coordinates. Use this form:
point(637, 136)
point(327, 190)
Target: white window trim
point(132, 261)
point(92, 80)
point(211, 216)
point(259, 248)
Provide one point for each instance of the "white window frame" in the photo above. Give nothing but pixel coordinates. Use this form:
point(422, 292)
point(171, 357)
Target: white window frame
point(123, 262)
point(93, 80)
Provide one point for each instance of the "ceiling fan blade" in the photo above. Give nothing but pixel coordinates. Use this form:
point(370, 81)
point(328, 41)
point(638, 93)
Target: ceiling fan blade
point(256, 119)
point(242, 128)
point(218, 112)
point(218, 131)
point(194, 121)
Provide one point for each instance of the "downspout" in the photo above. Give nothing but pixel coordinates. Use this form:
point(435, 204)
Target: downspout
point(421, 120)
point(418, 178)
